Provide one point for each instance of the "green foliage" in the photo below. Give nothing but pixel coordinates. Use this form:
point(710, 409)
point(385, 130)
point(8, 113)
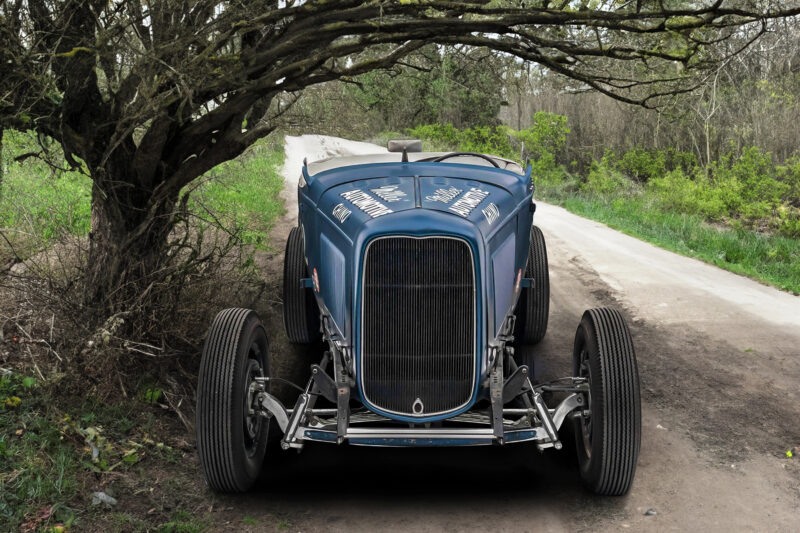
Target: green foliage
point(748, 183)
point(542, 141)
point(488, 140)
point(37, 199)
point(688, 194)
point(434, 85)
point(545, 170)
point(446, 134)
point(546, 136)
point(745, 188)
point(641, 165)
point(41, 204)
point(37, 467)
point(603, 178)
point(51, 457)
point(243, 193)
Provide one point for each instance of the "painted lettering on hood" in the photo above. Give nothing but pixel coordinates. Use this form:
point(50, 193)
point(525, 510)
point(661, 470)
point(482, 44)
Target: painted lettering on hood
point(366, 203)
point(444, 195)
point(491, 213)
point(389, 193)
point(341, 213)
point(469, 201)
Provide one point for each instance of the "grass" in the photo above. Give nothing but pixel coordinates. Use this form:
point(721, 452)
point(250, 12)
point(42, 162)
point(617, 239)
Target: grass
point(243, 193)
point(771, 259)
point(38, 204)
point(55, 453)
point(38, 468)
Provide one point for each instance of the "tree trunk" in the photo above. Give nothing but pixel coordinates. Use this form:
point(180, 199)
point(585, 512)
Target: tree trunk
point(130, 232)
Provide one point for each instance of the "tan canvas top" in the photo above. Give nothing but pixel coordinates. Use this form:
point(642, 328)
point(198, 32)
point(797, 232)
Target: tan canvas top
point(337, 162)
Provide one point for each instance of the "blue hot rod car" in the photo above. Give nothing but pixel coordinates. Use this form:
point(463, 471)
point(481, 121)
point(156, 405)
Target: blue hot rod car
point(419, 272)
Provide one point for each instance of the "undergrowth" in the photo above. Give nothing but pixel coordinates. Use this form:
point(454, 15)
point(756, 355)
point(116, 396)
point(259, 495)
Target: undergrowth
point(55, 453)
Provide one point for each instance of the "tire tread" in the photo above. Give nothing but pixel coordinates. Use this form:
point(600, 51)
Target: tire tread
point(533, 309)
point(300, 309)
point(215, 414)
point(619, 402)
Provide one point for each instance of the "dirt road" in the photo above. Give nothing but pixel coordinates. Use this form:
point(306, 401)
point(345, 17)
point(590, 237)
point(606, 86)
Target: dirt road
point(720, 373)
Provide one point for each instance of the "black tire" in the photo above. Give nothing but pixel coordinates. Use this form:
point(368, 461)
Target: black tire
point(608, 440)
point(300, 309)
point(230, 442)
point(533, 307)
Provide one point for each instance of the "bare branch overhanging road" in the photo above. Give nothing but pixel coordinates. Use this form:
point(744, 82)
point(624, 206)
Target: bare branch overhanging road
point(718, 360)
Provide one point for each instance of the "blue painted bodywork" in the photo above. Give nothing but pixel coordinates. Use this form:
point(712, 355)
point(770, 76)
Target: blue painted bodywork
point(342, 209)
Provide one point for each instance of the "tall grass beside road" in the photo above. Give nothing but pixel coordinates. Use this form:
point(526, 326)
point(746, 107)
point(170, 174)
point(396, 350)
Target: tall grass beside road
point(769, 258)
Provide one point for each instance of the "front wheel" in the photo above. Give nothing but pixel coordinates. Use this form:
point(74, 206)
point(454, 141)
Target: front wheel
point(300, 309)
point(533, 308)
point(609, 430)
point(231, 441)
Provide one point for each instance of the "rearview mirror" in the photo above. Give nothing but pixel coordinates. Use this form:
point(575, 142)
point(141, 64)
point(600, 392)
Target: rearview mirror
point(404, 145)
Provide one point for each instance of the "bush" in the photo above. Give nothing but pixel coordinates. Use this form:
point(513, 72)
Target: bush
point(440, 133)
point(487, 140)
point(603, 178)
point(546, 137)
point(687, 194)
point(545, 171)
point(642, 165)
point(789, 174)
point(542, 141)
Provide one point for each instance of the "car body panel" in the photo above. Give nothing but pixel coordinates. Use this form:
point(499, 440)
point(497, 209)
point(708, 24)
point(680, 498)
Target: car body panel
point(344, 208)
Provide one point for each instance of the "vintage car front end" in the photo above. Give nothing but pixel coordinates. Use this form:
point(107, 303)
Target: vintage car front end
point(417, 268)
point(417, 274)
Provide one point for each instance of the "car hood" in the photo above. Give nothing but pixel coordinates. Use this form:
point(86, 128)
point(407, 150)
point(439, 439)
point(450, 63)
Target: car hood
point(354, 204)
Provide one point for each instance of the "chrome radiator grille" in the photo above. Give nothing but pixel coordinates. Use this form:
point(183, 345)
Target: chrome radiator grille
point(418, 325)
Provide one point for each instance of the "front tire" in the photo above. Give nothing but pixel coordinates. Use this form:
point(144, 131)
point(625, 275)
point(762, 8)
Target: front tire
point(300, 309)
point(533, 308)
point(609, 438)
point(230, 442)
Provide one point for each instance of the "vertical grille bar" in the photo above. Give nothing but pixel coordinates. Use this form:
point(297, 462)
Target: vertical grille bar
point(418, 325)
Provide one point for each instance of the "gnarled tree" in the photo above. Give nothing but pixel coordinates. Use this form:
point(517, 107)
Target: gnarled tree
point(149, 95)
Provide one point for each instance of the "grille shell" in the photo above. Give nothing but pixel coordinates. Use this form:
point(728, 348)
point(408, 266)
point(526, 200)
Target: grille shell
point(419, 325)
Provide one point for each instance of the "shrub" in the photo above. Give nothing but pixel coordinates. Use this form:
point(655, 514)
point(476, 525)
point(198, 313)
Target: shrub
point(442, 133)
point(687, 194)
point(486, 140)
point(748, 184)
point(642, 165)
point(545, 171)
point(789, 174)
point(603, 178)
point(547, 135)
point(542, 141)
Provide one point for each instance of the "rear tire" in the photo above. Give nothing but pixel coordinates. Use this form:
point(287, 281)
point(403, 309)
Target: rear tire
point(608, 440)
point(230, 442)
point(300, 309)
point(533, 308)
